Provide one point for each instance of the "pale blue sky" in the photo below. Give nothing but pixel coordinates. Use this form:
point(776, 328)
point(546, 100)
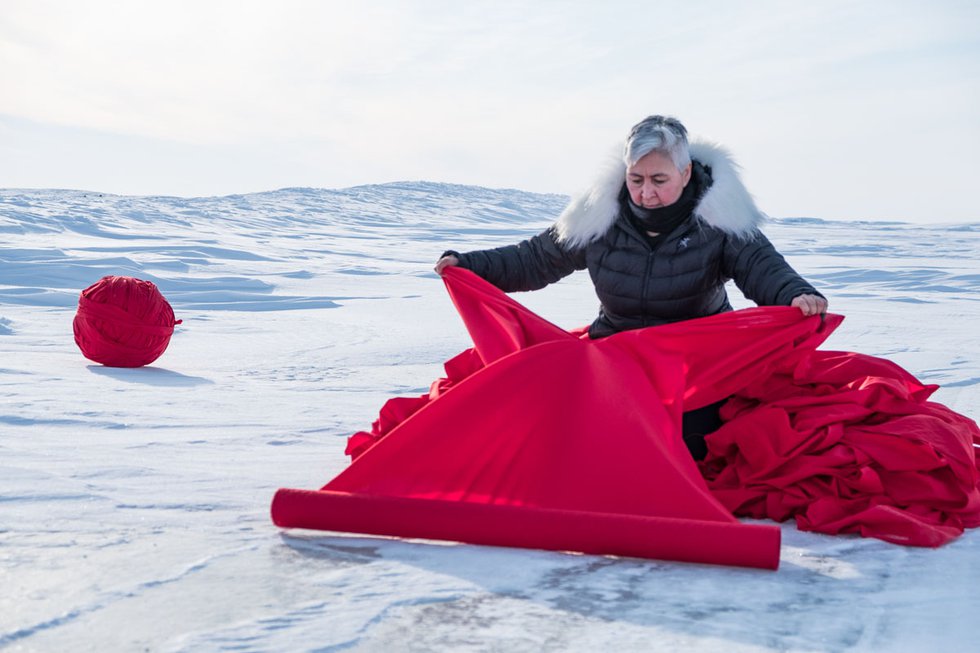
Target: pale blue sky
point(849, 110)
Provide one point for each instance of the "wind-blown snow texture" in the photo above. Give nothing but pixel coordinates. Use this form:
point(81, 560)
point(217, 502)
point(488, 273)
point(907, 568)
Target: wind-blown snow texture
point(134, 502)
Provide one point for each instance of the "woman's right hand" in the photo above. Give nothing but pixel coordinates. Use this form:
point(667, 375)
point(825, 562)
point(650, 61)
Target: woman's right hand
point(445, 262)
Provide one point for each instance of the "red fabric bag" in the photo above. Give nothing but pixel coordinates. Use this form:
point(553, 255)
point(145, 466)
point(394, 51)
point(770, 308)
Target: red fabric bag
point(123, 322)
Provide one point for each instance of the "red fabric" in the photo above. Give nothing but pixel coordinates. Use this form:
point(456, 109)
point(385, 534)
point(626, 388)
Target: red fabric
point(529, 527)
point(540, 422)
point(123, 322)
point(848, 443)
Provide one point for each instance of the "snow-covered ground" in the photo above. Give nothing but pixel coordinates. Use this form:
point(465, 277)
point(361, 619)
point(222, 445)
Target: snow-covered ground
point(134, 502)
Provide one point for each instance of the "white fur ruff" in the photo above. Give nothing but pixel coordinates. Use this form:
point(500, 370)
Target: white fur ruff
point(727, 205)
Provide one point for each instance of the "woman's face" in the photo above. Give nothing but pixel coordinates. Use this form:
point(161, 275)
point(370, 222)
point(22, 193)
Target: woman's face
point(655, 181)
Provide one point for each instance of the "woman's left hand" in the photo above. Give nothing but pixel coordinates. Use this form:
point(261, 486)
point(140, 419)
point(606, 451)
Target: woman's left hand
point(810, 304)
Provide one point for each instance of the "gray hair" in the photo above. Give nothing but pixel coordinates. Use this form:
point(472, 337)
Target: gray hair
point(658, 134)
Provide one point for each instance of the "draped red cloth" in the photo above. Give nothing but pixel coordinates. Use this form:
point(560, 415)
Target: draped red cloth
point(848, 443)
point(542, 438)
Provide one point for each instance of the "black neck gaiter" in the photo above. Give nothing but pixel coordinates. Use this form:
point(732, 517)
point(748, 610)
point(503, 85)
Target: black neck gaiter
point(664, 219)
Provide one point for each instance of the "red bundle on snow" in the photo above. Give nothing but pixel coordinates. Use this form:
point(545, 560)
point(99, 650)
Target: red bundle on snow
point(123, 322)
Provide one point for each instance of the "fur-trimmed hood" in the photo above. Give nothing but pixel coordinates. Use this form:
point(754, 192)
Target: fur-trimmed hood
point(726, 205)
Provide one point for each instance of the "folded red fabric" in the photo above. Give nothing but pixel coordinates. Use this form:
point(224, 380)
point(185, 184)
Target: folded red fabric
point(848, 443)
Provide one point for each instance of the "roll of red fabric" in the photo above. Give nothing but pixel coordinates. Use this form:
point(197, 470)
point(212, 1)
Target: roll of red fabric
point(123, 322)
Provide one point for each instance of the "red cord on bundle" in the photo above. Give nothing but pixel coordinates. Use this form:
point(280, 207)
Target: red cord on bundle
point(123, 322)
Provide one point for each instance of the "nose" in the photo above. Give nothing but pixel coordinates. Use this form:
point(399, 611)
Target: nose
point(648, 192)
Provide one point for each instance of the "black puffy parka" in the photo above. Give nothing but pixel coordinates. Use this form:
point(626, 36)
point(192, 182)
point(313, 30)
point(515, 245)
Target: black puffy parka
point(640, 282)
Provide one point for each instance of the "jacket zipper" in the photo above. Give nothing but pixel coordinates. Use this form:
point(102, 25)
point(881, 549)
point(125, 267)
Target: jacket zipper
point(645, 304)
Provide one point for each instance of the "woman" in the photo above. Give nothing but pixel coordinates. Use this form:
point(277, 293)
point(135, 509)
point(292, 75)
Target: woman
point(660, 233)
point(841, 441)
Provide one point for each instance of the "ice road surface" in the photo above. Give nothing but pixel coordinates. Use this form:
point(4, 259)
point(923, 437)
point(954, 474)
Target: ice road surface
point(134, 503)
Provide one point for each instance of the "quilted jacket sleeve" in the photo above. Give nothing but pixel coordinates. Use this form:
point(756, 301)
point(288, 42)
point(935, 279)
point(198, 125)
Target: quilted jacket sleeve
point(529, 265)
point(761, 273)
